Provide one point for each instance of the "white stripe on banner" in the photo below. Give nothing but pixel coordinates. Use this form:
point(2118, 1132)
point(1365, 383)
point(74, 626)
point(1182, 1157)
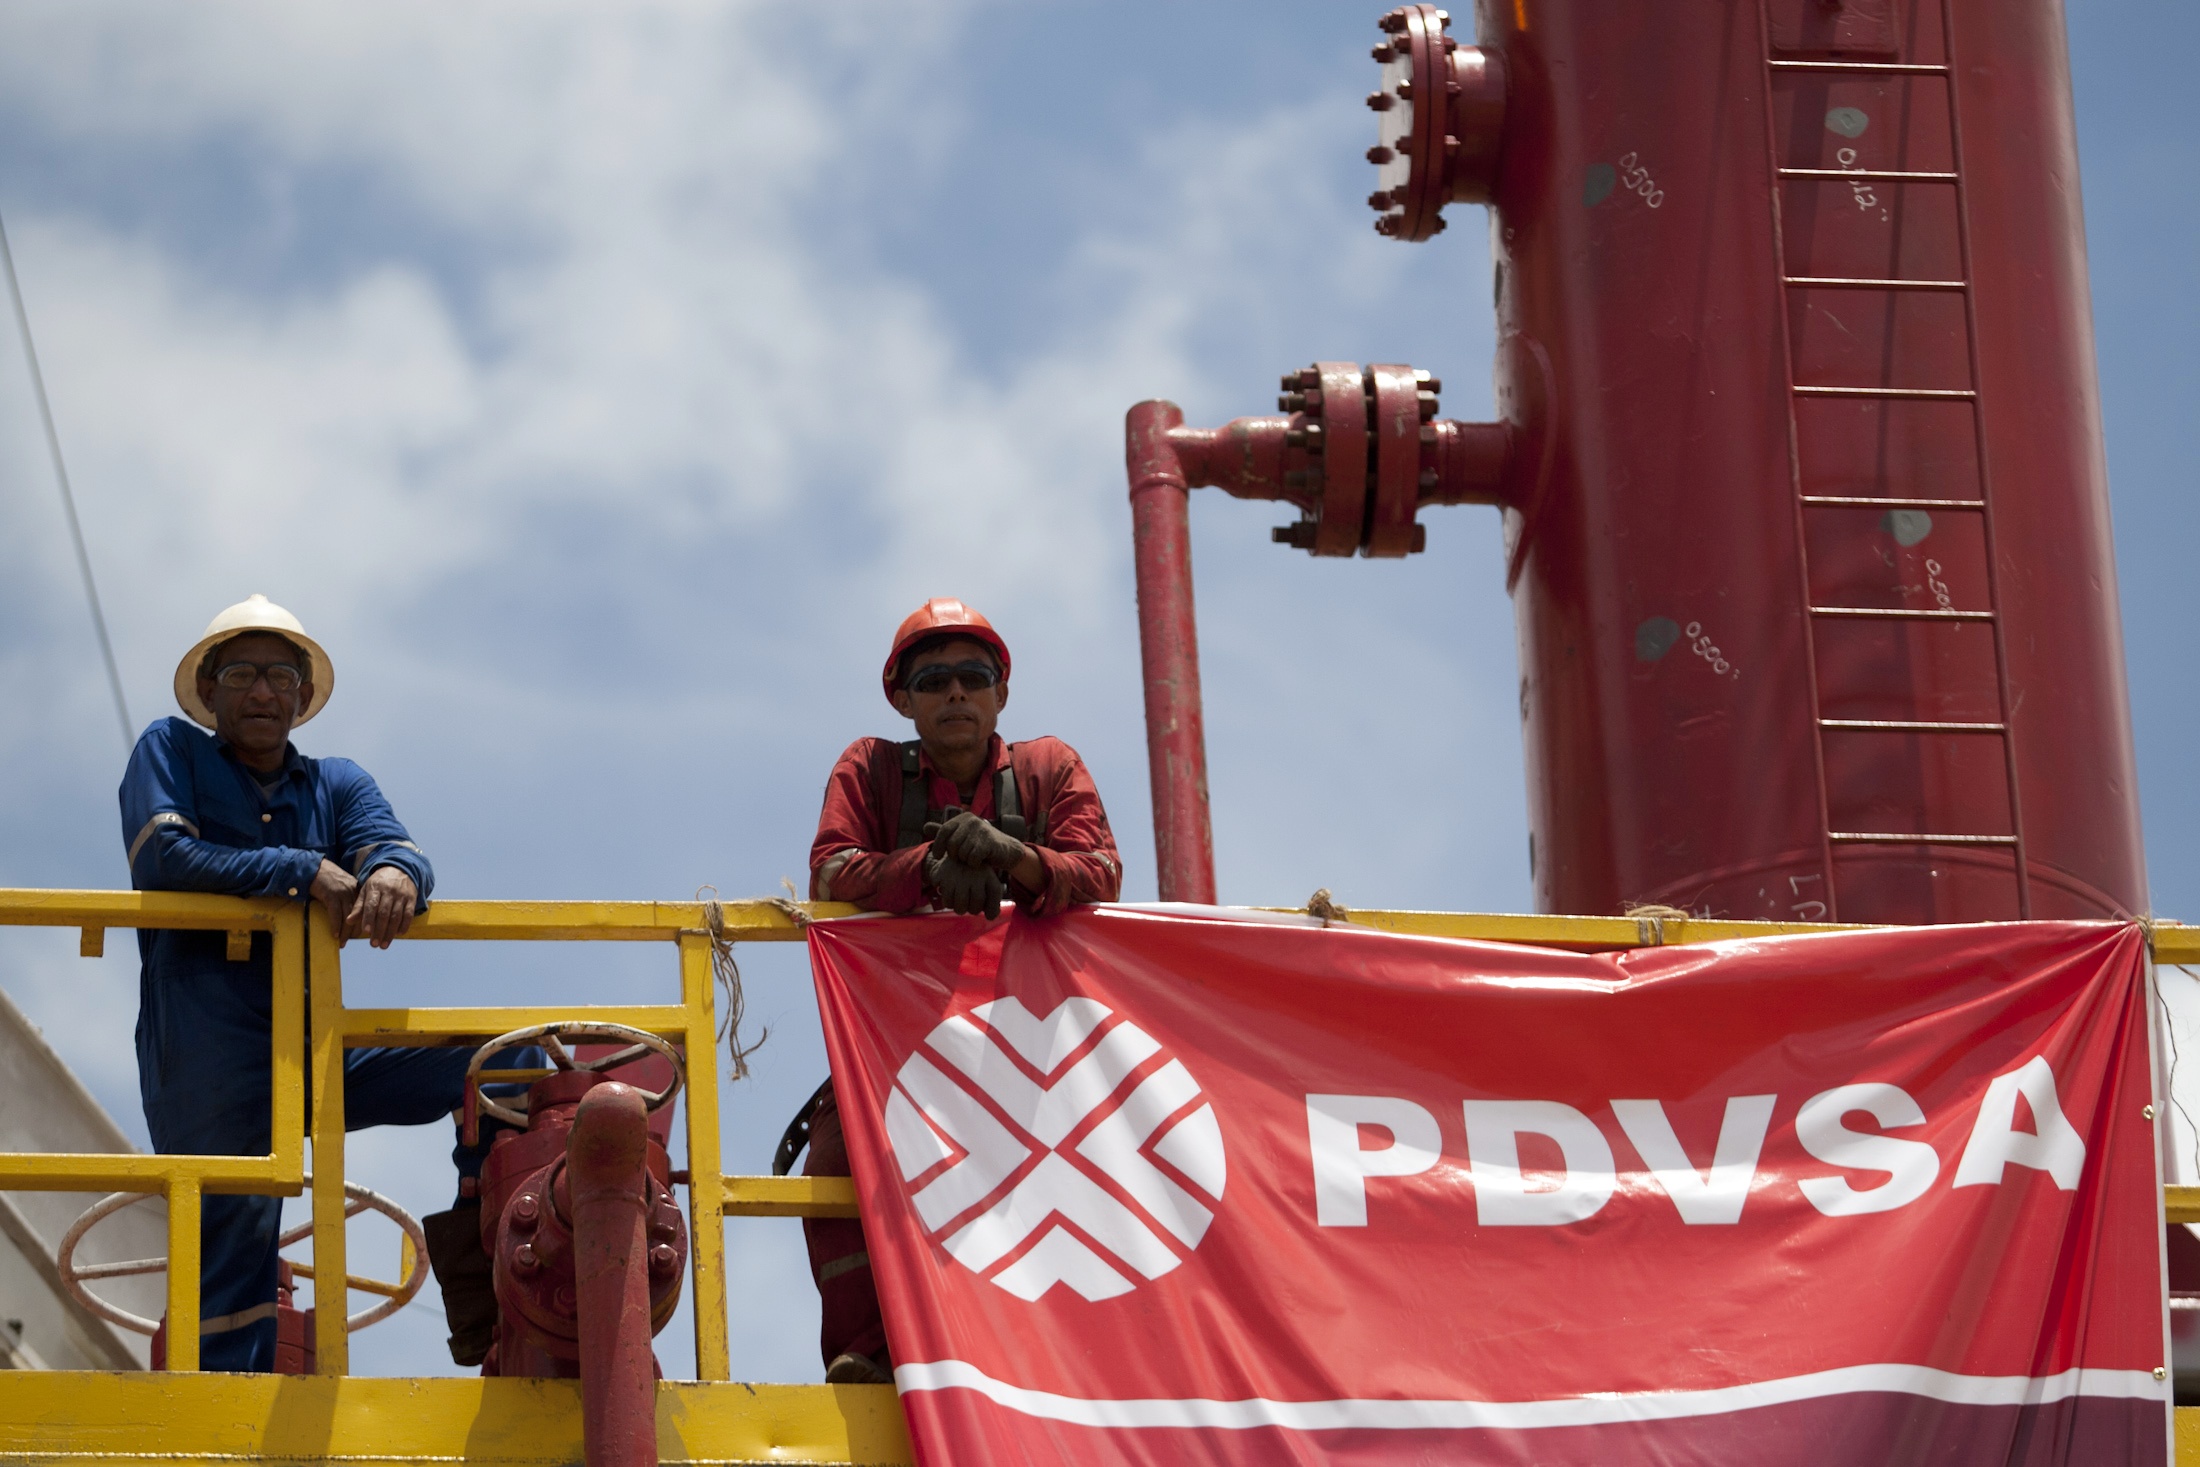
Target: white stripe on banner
point(1592, 1410)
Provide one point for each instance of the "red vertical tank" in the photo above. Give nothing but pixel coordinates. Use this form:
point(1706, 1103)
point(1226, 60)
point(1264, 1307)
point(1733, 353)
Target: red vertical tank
point(1817, 603)
point(1805, 500)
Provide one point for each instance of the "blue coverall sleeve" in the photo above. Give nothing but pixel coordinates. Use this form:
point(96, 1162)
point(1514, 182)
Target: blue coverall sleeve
point(368, 833)
point(160, 832)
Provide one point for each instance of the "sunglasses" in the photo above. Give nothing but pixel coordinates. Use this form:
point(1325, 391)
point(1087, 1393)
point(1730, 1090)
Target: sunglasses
point(240, 676)
point(975, 677)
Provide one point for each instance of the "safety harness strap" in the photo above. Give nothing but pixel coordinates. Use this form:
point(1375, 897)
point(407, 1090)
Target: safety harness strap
point(1008, 809)
point(912, 797)
point(1008, 805)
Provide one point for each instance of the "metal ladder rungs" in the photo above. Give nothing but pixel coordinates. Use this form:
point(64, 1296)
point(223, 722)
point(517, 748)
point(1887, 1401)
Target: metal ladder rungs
point(1914, 725)
point(1853, 282)
point(1895, 838)
point(1924, 394)
point(1884, 68)
point(1870, 175)
point(1883, 71)
point(1900, 613)
point(1874, 501)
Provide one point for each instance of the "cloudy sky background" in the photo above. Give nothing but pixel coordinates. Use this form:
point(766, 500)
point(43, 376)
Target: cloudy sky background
point(601, 384)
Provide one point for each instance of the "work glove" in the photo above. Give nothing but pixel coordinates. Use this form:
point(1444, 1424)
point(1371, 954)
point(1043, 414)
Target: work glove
point(974, 841)
point(965, 888)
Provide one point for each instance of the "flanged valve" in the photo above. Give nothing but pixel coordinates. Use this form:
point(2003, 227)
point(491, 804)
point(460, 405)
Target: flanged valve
point(1369, 442)
point(1441, 106)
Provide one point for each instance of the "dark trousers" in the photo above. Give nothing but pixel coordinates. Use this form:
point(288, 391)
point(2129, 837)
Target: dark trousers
point(205, 1075)
point(382, 1087)
point(839, 1259)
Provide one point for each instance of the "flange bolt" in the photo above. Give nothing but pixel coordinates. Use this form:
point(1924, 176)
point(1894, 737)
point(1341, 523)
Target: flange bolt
point(526, 1212)
point(662, 1258)
point(524, 1258)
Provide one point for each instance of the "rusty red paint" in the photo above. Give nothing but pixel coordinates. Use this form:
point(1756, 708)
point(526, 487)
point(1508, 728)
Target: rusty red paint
point(607, 1178)
point(1380, 458)
point(589, 1249)
point(1168, 641)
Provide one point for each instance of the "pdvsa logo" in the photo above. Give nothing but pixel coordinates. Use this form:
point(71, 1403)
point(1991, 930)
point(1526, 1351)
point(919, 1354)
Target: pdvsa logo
point(1057, 1150)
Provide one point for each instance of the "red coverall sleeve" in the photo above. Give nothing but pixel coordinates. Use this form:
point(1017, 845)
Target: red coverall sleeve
point(1078, 854)
point(852, 859)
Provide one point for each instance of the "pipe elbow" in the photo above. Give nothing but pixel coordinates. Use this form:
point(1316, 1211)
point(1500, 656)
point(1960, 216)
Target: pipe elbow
point(609, 1146)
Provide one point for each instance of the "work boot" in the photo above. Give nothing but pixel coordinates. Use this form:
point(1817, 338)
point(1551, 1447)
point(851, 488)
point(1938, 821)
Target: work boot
point(463, 1269)
point(853, 1369)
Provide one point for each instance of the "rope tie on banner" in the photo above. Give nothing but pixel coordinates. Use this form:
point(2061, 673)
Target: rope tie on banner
point(790, 906)
point(728, 973)
point(1320, 905)
point(1650, 919)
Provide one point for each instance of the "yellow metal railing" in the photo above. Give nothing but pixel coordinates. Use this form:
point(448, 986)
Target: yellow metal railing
point(184, 1179)
point(691, 1022)
point(303, 943)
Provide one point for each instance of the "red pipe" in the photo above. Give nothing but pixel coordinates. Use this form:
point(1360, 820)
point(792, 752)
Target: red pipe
point(1249, 458)
point(1168, 646)
point(604, 1162)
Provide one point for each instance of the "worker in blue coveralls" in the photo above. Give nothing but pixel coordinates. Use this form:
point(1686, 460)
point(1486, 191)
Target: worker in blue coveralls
point(241, 811)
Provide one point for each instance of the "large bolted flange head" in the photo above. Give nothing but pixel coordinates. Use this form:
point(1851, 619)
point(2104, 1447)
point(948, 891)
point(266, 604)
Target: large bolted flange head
point(1441, 112)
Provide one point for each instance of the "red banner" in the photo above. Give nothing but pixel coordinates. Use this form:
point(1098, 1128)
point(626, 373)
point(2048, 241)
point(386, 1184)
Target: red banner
point(1167, 1186)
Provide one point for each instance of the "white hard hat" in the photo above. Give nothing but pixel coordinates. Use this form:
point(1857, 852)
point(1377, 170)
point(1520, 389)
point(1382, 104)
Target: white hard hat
point(253, 614)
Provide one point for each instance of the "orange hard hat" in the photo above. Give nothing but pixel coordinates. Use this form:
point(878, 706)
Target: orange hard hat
point(941, 614)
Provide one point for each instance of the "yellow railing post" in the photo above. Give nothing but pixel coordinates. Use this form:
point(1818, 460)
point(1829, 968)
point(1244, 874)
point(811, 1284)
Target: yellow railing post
point(706, 1202)
point(331, 1300)
point(289, 1056)
point(183, 1273)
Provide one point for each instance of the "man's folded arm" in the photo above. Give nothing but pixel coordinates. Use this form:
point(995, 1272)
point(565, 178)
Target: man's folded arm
point(877, 881)
point(368, 832)
point(1079, 856)
point(849, 861)
point(161, 828)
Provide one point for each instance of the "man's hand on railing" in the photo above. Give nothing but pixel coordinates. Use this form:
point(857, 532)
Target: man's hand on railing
point(384, 908)
point(379, 909)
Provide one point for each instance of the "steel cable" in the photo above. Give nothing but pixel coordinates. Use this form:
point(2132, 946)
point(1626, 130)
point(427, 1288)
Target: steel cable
point(68, 495)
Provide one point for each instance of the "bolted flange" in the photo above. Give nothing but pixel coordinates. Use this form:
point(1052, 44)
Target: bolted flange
point(1442, 107)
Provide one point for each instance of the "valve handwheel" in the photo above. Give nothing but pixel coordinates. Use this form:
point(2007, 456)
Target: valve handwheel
point(358, 1199)
point(550, 1038)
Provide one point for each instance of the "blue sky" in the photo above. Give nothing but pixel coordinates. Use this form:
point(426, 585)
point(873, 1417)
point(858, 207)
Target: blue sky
point(601, 384)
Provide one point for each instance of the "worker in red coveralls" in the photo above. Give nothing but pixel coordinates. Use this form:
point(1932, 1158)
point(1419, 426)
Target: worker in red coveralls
point(953, 818)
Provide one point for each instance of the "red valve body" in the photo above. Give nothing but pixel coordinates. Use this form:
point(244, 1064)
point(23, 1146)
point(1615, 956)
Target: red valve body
point(528, 1203)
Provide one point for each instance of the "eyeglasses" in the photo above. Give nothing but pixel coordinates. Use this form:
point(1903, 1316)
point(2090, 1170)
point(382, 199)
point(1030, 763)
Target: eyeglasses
point(975, 677)
point(240, 676)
